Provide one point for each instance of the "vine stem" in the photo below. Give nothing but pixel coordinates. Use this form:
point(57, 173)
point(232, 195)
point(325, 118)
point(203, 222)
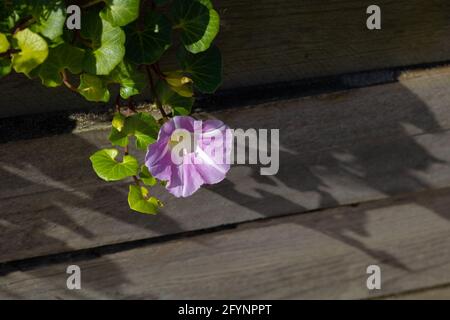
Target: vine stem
point(67, 82)
point(155, 95)
point(9, 52)
point(22, 24)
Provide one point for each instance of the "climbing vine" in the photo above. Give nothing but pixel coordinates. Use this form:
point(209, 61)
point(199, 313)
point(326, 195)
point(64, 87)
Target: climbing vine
point(120, 44)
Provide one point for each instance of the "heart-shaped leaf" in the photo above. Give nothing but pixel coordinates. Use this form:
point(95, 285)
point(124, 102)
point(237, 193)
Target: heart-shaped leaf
point(108, 45)
point(204, 68)
point(93, 88)
point(146, 43)
point(192, 17)
point(108, 169)
point(140, 201)
point(34, 51)
point(120, 12)
point(60, 58)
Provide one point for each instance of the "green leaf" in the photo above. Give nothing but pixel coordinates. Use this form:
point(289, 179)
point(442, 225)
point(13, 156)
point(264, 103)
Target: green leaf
point(131, 81)
point(140, 125)
point(210, 34)
point(5, 67)
point(180, 83)
point(205, 68)
point(180, 105)
point(120, 12)
point(118, 138)
point(108, 169)
point(108, 45)
point(144, 127)
point(93, 88)
point(34, 51)
point(118, 121)
point(192, 17)
point(147, 43)
point(60, 58)
point(51, 20)
point(4, 43)
point(147, 177)
point(139, 200)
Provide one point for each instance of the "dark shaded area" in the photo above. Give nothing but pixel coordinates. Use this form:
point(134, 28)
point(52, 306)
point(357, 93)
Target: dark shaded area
point(238, 97)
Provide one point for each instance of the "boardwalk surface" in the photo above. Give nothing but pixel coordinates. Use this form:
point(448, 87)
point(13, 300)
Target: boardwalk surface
point(364, 179)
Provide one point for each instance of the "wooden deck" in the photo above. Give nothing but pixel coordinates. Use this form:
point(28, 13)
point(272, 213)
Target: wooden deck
point(364, 179)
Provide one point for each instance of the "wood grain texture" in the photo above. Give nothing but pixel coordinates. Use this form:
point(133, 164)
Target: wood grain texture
point(340, 148)
point(439, 293)
point(323, 255)
point(271, 41)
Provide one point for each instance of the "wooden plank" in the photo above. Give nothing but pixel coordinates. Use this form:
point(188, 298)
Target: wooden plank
point(313, 256)
point(439, 293)
point(336, 149)
point(280, 41)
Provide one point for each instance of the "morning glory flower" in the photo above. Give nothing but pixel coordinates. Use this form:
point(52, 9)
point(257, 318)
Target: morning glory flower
point(190, 153)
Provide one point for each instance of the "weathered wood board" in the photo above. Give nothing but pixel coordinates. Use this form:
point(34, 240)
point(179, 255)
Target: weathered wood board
point(340, 148)
point(271, 41)
point(319, 255)
point(438, 293)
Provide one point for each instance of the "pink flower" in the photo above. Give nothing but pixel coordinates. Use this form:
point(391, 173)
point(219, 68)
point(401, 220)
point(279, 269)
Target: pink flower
point(190, 153)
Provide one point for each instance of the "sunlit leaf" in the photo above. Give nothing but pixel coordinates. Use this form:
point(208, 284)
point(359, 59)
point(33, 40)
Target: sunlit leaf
point(118, 121)
point(140, 201)
point(108, 169)
point(210, 34)
point(140, 125)
point(34, 51)
point(147, 177)
point(120, 12)
point(4, 43)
